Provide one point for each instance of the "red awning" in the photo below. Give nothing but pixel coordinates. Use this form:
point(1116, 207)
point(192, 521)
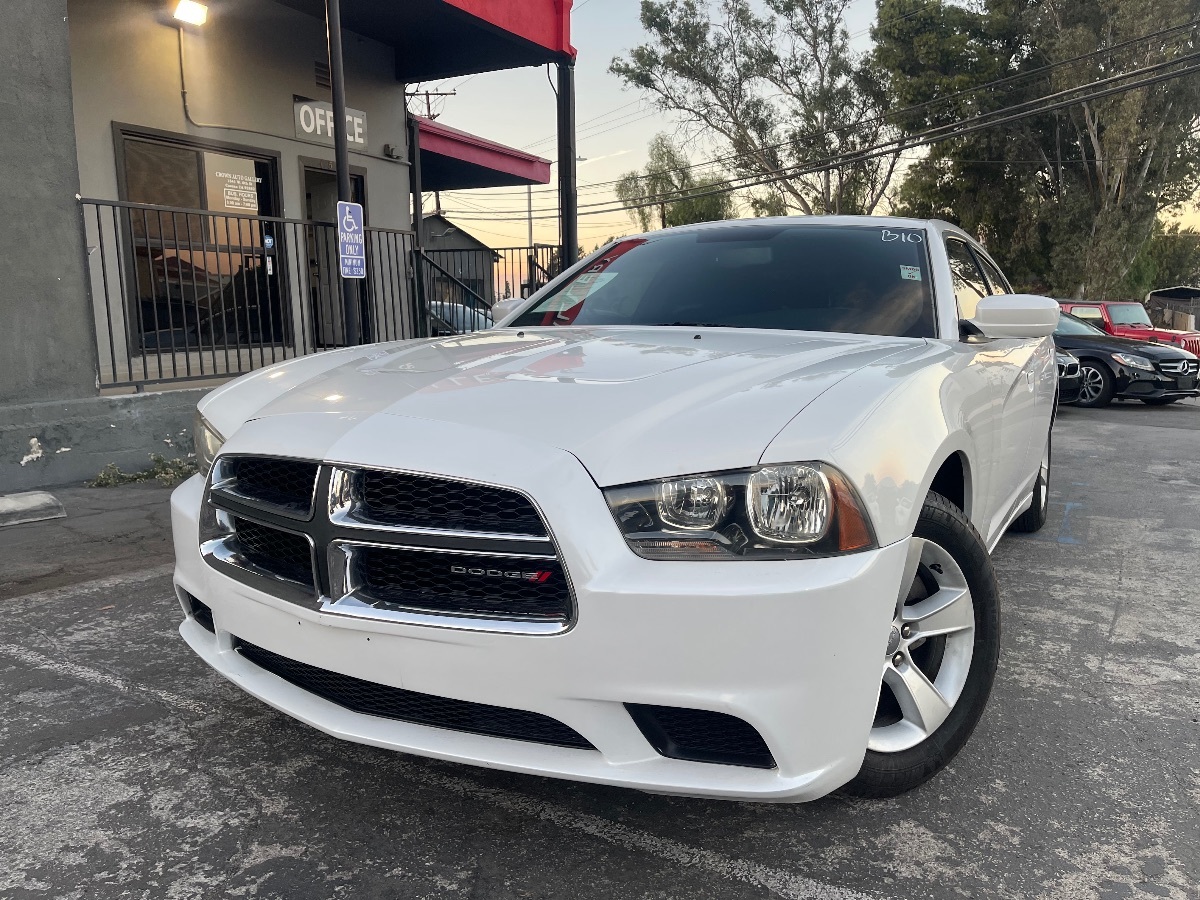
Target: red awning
point(446, 38)
point(455, 160)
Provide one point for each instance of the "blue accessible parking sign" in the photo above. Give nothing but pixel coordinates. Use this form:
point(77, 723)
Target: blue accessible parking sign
point(352, 245)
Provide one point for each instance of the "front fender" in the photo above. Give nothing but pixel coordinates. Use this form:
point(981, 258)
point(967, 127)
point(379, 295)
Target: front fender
point(889, 428)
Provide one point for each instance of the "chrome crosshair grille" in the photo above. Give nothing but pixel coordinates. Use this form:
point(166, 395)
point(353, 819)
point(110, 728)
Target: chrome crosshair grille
point(1180, 366)
point(398, 546)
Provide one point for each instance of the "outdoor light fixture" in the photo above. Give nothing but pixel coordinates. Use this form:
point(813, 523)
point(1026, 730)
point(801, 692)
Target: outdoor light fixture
point(191, 12)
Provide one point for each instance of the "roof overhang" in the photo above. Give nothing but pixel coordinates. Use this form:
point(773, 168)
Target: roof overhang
point(447, 38)
point(455, 160)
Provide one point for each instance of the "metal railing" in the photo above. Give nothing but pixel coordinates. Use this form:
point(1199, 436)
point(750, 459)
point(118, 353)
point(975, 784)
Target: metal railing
point(452, 305)
point(184, 294)
point(499, 274)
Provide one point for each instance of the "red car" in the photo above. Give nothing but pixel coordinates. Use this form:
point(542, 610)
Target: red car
point(1128, 319)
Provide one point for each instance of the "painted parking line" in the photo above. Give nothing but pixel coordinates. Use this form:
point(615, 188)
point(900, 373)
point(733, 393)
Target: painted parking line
point(95, 676)
point(779, 882)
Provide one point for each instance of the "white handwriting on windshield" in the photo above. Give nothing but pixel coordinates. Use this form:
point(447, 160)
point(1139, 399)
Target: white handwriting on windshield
point(905, 237)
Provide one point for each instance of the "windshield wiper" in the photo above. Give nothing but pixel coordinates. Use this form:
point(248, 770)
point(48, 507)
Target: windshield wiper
point(693, 325)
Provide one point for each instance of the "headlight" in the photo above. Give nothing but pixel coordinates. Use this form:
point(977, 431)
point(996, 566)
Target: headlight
point(208, 443)
point(1134, 362)
point(1065, 359)
point(790, 511)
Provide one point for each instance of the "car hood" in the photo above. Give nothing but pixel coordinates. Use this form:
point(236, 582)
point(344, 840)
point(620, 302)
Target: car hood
point(630, 403)
point(1109, 344)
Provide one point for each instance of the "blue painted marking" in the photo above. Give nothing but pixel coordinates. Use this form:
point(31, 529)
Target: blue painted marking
point(1064, 531)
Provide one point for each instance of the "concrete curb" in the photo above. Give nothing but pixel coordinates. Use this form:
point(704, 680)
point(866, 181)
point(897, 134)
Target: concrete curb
point(46, 444)
point(30, 506)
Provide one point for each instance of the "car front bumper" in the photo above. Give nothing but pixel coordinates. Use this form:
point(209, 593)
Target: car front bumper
point(1069, 387)
point(794, 648)
point(1135, 384)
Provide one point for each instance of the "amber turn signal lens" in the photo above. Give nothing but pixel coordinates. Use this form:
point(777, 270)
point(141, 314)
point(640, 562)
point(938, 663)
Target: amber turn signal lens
point(853, 532)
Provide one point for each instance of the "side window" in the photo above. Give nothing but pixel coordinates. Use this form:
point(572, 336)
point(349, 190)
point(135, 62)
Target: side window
point(995, 277)
point(969, 284)
point(1088, 313)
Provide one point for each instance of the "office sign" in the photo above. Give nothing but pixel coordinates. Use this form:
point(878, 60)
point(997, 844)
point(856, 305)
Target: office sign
point(314, 122)
point(352, 246)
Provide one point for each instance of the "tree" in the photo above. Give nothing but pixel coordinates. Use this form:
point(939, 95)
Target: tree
point(1171, 257)
point(668, 173)
point(1068, 201)
point(773, 92)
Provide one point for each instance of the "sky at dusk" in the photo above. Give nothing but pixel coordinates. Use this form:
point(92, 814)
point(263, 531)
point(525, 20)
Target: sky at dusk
point(615, 126)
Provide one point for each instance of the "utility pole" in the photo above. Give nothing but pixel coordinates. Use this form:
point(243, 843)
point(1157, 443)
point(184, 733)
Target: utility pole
point(341, 155)
point(428, 95)
point(529, 210)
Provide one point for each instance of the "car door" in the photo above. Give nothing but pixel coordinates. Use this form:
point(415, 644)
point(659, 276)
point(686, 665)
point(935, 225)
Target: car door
point(1039, 370)
point(1003, 390)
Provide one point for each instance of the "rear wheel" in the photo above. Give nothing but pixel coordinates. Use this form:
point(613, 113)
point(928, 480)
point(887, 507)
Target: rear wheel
point(1159, 401)
point(1096, 385)
point(941, 656)
point(1035, 517)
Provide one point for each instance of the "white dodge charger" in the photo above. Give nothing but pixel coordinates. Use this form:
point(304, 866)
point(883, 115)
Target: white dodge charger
point(710, 514)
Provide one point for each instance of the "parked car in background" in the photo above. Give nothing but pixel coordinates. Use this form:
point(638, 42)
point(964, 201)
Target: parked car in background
point(457, 318)
point(1129, 319)
point(1069, 377)
point(1122, 369)
point(710, 514)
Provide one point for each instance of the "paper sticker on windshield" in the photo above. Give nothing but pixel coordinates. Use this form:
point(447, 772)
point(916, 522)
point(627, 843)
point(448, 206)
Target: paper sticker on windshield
point(910, 273)
point(576, 292)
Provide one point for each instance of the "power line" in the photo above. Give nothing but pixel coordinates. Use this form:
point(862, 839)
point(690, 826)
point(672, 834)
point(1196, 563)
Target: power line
point(1009, 79)
point(942, 133)
point(930, 137)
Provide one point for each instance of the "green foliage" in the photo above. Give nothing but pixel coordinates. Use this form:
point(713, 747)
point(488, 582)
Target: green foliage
point(1171, 257)
point(168, 472)
point(668, 172)
point(774, 84)
point(1068, 201)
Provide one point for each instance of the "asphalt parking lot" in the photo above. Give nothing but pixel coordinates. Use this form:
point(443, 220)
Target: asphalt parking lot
point(128, 769)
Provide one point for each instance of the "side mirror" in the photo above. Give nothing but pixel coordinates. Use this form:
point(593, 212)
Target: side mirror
point(1016, 316)
point(501, 308)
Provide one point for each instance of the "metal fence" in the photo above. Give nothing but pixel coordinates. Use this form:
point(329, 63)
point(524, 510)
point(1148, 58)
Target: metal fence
point(496, 274)
point(185, 294)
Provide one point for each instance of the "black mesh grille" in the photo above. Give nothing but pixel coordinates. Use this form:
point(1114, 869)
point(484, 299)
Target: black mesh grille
point(463, 584)
point(418, 501)
point(373, 699)
point(274, 551)
point(701, 735)
point(286, 483)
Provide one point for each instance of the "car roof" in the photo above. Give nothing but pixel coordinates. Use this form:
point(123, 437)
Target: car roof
point(845, 221)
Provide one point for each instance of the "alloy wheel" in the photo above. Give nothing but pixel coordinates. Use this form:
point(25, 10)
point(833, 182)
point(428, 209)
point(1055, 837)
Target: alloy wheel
point(1092, 384)
point(929, 650)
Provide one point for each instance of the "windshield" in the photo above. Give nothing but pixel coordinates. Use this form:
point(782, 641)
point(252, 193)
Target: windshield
point(852, 279)
point(1128, 314)
point(1068, 324)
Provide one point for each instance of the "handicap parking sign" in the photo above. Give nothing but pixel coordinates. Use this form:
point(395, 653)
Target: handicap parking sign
point(352, 245)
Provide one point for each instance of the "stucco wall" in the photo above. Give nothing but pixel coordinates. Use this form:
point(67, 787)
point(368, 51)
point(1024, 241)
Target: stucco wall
point(243, 68)
point(46, 346)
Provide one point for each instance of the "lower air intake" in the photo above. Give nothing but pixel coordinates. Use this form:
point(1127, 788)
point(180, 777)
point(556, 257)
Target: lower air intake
point(372, 699)
point(700, 735)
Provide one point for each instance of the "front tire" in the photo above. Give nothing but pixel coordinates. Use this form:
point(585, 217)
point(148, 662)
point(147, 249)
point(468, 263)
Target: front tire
point(1096, 387)
point(1035, 517)
point(941, 659)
